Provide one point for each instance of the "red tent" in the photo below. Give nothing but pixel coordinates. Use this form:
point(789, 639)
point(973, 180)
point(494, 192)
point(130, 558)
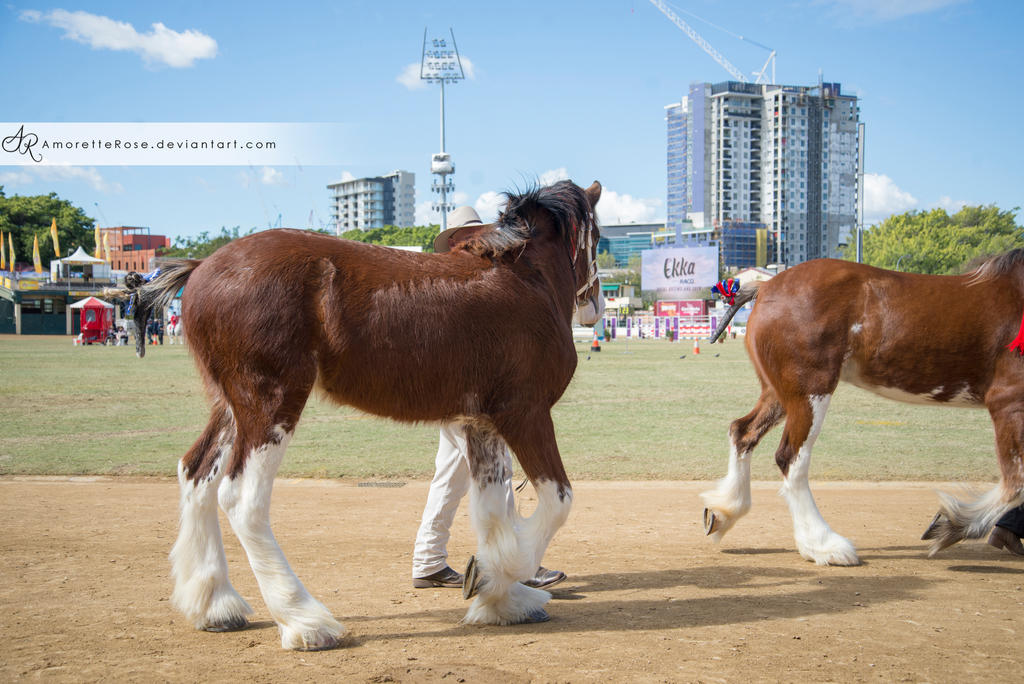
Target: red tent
point(97, 319)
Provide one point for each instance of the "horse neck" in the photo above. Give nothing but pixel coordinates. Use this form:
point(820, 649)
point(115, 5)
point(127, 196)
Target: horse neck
point(549, 258)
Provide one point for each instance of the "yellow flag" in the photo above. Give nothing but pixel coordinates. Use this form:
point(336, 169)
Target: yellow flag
point(56, 240)
point(3, 253)
point(98, 245)
point(36, 261)
point(10, 248)
point(106, 245)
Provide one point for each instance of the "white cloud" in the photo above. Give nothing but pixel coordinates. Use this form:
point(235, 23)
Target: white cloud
point(271, 176)
point(615, 208)
point(425, 215)
point(265, 175)
point(15, 178)
point(488, 204)
point(552, 176)
point(950, 205)
point(410, 77)
point(410, 74)
point(159, 45)
point(58, 173)
point(882, 198)
point(888, 10)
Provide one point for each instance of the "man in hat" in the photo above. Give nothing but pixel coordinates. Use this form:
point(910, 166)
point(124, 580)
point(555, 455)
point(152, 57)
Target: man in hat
point(452, 478)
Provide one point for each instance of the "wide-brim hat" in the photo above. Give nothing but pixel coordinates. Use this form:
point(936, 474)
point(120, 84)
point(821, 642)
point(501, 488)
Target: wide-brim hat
point(463, 217)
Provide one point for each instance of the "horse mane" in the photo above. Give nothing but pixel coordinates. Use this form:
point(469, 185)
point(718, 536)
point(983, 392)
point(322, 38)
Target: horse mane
point(985, 269)
point(566, 202)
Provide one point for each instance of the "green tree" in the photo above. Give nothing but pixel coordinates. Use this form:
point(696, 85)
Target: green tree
point(27, 217)
point(395, 236)
point(203, 245)
point(605, 261)
point(936, 242)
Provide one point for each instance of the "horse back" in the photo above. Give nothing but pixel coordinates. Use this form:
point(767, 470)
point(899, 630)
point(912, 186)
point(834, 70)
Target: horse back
point(910, 337)
point(380, 328)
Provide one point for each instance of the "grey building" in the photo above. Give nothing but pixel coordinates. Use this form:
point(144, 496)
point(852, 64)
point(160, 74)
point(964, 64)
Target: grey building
point(366, 203)
point(777, 155)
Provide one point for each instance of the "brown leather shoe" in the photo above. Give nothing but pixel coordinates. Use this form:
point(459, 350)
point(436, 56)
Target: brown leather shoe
point(545, 578)
point(445, 577)
point(1002, 538)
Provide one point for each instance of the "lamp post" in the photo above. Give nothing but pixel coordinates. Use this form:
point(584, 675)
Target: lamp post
point(441, 64)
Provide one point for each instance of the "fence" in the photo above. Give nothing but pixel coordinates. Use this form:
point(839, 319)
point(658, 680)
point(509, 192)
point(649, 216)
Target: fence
point(658, 327)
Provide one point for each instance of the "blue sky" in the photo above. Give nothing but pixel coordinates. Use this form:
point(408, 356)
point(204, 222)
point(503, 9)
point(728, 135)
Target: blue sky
point(556, 89)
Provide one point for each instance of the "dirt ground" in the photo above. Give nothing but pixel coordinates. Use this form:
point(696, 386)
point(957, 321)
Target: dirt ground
point(85, 587)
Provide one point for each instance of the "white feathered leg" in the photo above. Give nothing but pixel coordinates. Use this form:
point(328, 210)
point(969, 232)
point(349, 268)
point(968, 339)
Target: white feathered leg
point(814, 538)
point(304, 622)
point(507, 551)
point(202, 590)
point(730, 499)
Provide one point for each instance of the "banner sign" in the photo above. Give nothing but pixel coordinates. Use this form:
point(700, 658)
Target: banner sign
point(679, 272)
point(683, 307)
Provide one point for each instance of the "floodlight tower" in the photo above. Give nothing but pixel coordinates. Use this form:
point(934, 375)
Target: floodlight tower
point(441, 64)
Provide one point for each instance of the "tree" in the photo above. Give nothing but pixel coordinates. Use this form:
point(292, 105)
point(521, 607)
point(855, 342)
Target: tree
point(935, 242)
point(28, 217)
point(203, 245)
point(605, 261)
point(395, 236)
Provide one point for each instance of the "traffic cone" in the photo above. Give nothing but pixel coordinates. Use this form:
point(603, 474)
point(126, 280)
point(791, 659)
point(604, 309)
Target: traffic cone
point(596, 346)
point(696, 345)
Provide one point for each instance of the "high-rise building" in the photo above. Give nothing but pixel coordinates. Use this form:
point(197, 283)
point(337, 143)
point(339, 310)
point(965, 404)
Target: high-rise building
point(366, 203)
point(781, 156)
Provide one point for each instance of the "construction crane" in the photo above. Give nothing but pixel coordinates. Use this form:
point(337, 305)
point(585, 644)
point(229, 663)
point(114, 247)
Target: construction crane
point(715, 54)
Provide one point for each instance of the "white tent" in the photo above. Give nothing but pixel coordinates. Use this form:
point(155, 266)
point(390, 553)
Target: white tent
point(81, 257)
point(61, 268)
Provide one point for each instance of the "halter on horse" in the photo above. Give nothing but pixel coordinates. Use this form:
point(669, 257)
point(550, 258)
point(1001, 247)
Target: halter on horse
point(941, 340)
point(480, 335)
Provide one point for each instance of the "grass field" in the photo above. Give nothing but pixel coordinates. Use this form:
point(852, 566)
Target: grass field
point(635, 411)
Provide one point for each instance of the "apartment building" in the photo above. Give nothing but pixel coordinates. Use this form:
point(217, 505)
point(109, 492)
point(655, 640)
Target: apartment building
point(774, 156)
point(366, 203)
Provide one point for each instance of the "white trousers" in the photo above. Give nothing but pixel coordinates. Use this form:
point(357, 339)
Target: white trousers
point(451, 482)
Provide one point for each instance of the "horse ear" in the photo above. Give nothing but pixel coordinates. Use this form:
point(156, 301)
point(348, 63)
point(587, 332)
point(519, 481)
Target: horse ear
point(593, 193)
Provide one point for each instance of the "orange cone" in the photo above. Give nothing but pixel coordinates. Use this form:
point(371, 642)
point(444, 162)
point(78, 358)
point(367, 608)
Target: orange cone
point(696, 345)
point(596, 346)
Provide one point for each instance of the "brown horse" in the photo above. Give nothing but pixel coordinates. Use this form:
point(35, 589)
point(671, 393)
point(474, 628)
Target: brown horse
point(480, 335)
point(939, 340)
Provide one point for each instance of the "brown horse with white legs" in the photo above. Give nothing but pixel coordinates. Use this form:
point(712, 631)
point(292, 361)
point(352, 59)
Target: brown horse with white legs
point(939, 340)
point(480, 335)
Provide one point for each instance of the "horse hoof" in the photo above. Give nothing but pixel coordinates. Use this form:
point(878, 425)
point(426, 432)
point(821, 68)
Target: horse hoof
point(933, 529)
point(711, 523)
point(470, 579)
point(230, 625)
point(539, 615)
point(324, 645)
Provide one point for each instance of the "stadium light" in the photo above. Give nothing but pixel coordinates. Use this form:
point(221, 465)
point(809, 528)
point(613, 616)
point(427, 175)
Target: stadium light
point(441, 64)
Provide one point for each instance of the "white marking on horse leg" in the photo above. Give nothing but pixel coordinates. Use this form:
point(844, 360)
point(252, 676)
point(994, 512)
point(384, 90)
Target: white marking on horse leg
point(202, 590)
point(730, 499)
point(814, 538)
point(504, 554)
point(551, 513)
point(503, 561)
point(304, 622)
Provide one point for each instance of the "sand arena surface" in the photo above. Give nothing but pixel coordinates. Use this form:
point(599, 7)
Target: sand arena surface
point(86, 584)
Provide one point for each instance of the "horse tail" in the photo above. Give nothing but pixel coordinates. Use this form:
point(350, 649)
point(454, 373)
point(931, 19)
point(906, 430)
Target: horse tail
point(152, 291)
point(747, 293)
